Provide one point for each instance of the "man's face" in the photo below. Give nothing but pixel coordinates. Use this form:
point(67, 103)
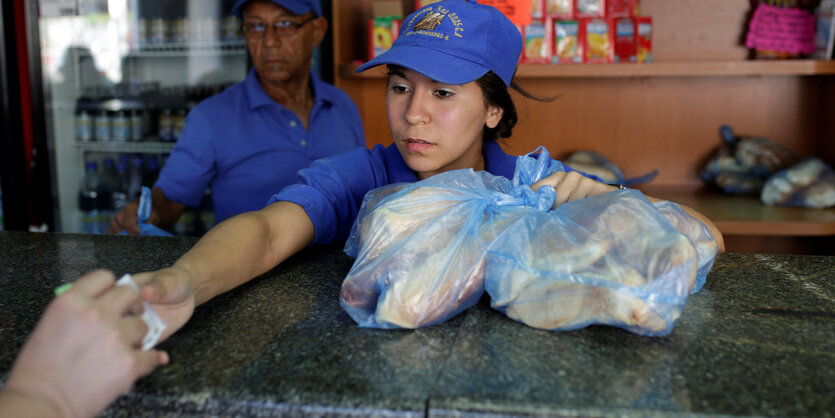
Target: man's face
point(281, 57)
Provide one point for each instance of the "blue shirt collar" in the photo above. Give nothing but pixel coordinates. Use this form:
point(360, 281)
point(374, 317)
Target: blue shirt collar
point(497, 162)
point(257, 97)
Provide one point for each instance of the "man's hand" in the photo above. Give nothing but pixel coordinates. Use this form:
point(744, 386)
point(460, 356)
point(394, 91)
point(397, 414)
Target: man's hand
point(125, 220)
point(164, 214)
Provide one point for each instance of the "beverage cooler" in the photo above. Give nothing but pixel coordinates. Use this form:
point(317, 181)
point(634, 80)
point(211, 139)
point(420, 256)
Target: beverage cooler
point(118, 79)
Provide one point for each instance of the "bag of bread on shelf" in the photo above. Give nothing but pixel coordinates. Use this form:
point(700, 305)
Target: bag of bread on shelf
point(615, 259)
point(808, 184)
point(742, 164)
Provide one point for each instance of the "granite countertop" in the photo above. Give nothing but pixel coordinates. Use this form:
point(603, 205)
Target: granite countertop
point(757, 340)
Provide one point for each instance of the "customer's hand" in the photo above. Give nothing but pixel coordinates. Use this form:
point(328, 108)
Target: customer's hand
point(171, 293)
point(85, 351)
point(125, 220)
point(572, 186)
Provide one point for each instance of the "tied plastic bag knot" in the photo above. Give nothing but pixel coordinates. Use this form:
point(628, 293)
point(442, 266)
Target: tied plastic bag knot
point(523, 196)
point(530, 170)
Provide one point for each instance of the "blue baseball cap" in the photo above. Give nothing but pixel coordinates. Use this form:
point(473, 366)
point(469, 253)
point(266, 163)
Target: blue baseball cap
point(299, 7)
point(455, 42)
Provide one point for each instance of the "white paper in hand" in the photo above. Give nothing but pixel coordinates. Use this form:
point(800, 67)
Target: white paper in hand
point(152, 320)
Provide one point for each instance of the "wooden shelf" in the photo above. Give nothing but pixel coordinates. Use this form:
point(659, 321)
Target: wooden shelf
point(655, 69)
point(747, 215)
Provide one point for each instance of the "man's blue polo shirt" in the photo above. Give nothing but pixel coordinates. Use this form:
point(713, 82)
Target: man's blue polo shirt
point(331, 189)
point(245, 146)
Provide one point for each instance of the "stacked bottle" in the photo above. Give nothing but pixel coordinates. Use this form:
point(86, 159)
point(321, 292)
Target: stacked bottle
point(109, 115)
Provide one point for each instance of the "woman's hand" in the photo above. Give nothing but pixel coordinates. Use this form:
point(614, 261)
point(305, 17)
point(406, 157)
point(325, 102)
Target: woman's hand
point(170, 292)
point(572, 186)
point(85, 351)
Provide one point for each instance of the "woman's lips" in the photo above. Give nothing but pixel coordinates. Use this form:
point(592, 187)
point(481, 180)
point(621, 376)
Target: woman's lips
point(417, 145)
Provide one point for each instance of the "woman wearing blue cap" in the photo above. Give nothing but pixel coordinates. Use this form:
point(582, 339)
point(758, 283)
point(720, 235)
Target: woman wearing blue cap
point(447, 103)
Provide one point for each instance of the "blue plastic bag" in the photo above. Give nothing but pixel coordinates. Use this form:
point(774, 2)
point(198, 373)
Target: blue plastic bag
point(426, 251)
point(809, 184)
point(419, 250)
point(143, 212)
point(615, 259)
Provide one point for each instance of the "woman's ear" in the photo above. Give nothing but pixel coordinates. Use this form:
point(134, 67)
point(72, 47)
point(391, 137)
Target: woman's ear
point(494, 116)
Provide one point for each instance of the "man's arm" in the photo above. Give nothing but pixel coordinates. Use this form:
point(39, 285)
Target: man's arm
point(164, 214)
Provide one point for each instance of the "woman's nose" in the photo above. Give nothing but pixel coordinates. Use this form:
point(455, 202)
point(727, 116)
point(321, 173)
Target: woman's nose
point(417, 110)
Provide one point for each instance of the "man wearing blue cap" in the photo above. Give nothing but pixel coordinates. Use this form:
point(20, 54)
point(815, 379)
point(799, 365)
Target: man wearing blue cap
point(249, 141)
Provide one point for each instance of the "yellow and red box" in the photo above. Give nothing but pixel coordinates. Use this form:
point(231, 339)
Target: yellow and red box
point(597, 40)
point(643, 30)
point(537, 37)
point(566, 42)
point(382, 31)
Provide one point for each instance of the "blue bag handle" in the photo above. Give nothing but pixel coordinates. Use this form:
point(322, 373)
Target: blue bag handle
point(143, 212)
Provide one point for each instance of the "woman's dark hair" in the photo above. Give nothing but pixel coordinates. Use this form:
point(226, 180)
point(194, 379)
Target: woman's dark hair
point(496, 94)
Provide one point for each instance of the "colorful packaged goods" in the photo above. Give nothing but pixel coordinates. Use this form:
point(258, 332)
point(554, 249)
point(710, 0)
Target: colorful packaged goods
point(644, 38)
point(383, 32)
point(383, 26)
point(626, 43)
point(589, 8)
point(622, 8)
point(537, 9)
point(559, 9)
point(421, 3)
point(566, 42)
point(536, 37)
point(597, 41)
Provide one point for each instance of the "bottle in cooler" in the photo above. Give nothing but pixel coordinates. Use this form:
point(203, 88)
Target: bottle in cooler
point(88, 199)
point(120, 188)
point(136, 125)
point(135, 177)
point(102, 126)
point(107, 184)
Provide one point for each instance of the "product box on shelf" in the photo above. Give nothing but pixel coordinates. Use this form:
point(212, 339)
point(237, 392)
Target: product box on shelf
point(537, 45)
point(643, 26)
point(626, 41)
point(537, 9)
point(421, 3)
point(566, 42)
point(383, 31)
point(384, 26)
point(623, 8)
point(559, 9)
point(589, 8)
point(597, 40)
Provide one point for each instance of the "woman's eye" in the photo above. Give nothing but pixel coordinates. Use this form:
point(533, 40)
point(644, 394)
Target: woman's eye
point(397, 88)
point(444, 93)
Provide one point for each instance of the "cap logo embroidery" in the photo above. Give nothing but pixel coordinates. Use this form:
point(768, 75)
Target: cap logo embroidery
point(430, 18)
point(429, 21)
